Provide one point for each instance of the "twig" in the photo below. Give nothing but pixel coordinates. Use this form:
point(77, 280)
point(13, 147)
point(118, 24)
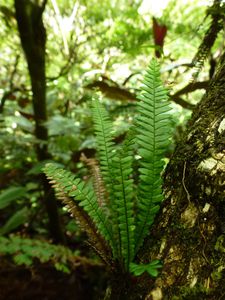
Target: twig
point(11, 85)
point(183, 182)
point(191, 87)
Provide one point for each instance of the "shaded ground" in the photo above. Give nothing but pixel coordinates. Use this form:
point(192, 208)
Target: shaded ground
point(43, 282)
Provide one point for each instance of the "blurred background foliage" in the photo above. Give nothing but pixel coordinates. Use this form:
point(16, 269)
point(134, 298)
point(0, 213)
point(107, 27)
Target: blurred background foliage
point(92, 47)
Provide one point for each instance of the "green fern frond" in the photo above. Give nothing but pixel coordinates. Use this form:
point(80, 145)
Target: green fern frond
point(124, 201)
point(97, 242)
point(104, 135)
point(152, 138)
point(106, 150)
point(65, 183)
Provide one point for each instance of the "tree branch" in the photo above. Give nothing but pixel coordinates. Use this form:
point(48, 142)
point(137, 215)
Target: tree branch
point(191, 87)
point(11, 89)
point(120, 93)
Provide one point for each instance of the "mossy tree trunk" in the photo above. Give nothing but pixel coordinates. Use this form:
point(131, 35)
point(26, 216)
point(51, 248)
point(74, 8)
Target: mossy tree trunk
point(33, 39)
point(189, 233)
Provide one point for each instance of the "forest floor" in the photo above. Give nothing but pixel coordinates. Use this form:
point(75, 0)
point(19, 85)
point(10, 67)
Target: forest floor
point(44, 282)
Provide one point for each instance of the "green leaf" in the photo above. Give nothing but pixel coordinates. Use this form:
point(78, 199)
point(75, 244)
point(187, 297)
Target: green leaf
point(62, 267)
point(22, 259)
point(11, 194)
point(151, 268)
point(124, 200)
point(106, 153)
point(17, 219)
point(60, 125)
point(68, 186)
point(24, 251)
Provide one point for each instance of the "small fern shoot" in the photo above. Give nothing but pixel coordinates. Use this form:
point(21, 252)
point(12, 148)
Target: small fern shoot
point(118, 211)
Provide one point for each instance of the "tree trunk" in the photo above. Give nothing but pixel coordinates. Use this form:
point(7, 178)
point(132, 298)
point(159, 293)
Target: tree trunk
point(189, 233)
point(33, 40)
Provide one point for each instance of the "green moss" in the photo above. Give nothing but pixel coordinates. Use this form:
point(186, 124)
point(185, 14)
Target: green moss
point(220, 244)
point(219, 262)
point(217, 274)
point(195, 293)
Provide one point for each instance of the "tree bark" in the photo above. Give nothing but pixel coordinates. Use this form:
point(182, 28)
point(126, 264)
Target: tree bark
point(33, 39)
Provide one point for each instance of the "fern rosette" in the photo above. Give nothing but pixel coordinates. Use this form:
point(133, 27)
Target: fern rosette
point(115, 212)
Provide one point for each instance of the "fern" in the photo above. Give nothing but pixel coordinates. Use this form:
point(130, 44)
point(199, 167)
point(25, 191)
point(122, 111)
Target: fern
point(66, 186)
point(152, 140)
point(98, 181)
point(116, 167)
point(25, 251)
point(106, 152)
point(115, 212)
point(124, 204)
